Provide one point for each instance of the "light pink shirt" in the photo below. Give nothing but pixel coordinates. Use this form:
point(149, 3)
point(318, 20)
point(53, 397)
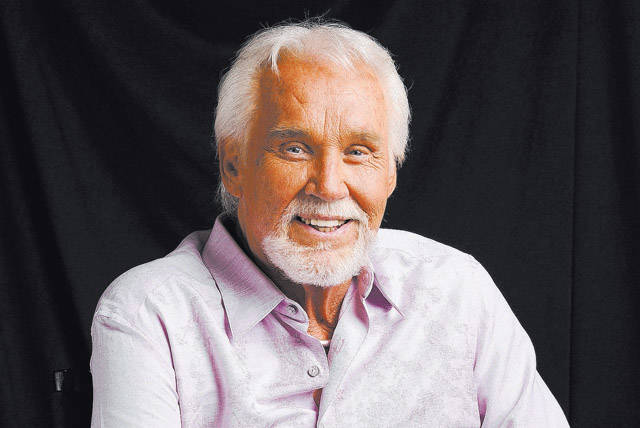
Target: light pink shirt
point(202, 337)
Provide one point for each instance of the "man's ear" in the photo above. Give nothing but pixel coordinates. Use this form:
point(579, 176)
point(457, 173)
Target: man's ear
point(230, 168)
point(392, 180)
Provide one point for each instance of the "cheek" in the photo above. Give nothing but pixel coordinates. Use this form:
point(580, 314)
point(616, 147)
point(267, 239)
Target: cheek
point(370, 193)
point(276, 185)
point(282, 176)
point(377, 212)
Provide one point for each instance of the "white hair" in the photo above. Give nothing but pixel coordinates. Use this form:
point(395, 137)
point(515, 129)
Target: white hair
point(313, 38)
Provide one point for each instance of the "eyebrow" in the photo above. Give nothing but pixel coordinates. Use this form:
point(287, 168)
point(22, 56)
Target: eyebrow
point(296, 133)
point(365, 136)
point(287, 133)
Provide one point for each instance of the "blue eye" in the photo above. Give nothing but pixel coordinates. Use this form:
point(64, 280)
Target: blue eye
point(357, 152)
point(294, 149)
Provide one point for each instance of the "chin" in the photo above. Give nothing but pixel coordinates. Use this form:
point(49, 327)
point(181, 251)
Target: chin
point(319, 266)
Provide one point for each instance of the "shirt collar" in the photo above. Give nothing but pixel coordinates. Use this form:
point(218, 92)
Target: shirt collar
point(368, 278)
point(249, 295)
point(247, 292)
point(390, 278)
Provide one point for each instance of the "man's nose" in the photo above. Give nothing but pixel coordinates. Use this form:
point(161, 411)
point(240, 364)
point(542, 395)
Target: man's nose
point(327, 180)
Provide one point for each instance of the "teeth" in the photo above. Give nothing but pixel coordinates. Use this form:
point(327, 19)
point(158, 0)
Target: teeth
point(322, 224)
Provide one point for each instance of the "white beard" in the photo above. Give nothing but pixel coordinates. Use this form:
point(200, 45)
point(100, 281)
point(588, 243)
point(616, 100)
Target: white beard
point(319, 265)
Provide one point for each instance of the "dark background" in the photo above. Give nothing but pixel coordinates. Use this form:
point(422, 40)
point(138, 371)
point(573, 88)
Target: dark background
point(524, 153)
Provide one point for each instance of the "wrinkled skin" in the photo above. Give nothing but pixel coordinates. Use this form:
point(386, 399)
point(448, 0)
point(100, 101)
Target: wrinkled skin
point(321, 131)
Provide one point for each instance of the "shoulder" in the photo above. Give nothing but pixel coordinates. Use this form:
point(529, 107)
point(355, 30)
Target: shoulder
point(419, 249)
point(423, 272)
point(179, 275)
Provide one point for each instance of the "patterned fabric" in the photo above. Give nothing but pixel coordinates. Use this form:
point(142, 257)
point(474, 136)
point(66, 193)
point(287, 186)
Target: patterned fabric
point(202, 337)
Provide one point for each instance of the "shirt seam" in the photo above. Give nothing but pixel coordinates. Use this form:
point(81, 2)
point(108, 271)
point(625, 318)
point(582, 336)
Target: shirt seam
point(422, 254)
point(168, 279)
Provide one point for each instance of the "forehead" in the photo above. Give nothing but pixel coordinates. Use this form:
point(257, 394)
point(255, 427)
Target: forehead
point(322, 95)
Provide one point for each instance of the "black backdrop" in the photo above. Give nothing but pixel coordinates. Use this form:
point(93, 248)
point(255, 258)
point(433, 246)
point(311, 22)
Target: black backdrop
point(524, 153)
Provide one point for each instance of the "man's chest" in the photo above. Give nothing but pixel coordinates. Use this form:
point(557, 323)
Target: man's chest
point(384, 370)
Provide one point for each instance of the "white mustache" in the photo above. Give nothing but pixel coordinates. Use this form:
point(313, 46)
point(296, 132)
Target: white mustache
point(310, 207)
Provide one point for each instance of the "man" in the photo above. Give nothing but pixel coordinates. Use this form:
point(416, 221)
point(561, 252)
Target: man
point(296, 309)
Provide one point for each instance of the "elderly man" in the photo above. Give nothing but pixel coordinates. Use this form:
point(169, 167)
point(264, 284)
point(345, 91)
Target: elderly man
point(296, 309)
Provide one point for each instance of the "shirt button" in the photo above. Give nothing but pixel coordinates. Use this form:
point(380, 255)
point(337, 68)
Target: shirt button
point(292, 309)
point(313, 371)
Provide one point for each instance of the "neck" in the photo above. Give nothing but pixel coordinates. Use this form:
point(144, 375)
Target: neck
point(322, 304)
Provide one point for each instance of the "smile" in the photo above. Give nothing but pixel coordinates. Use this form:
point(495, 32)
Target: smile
point(323, 225)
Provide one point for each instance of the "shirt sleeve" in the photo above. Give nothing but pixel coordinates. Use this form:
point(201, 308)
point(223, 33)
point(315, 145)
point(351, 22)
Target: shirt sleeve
point(510, 391)
point(133, 378)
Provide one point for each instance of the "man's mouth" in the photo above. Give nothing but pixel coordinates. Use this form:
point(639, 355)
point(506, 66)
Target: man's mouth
point(323, 225)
